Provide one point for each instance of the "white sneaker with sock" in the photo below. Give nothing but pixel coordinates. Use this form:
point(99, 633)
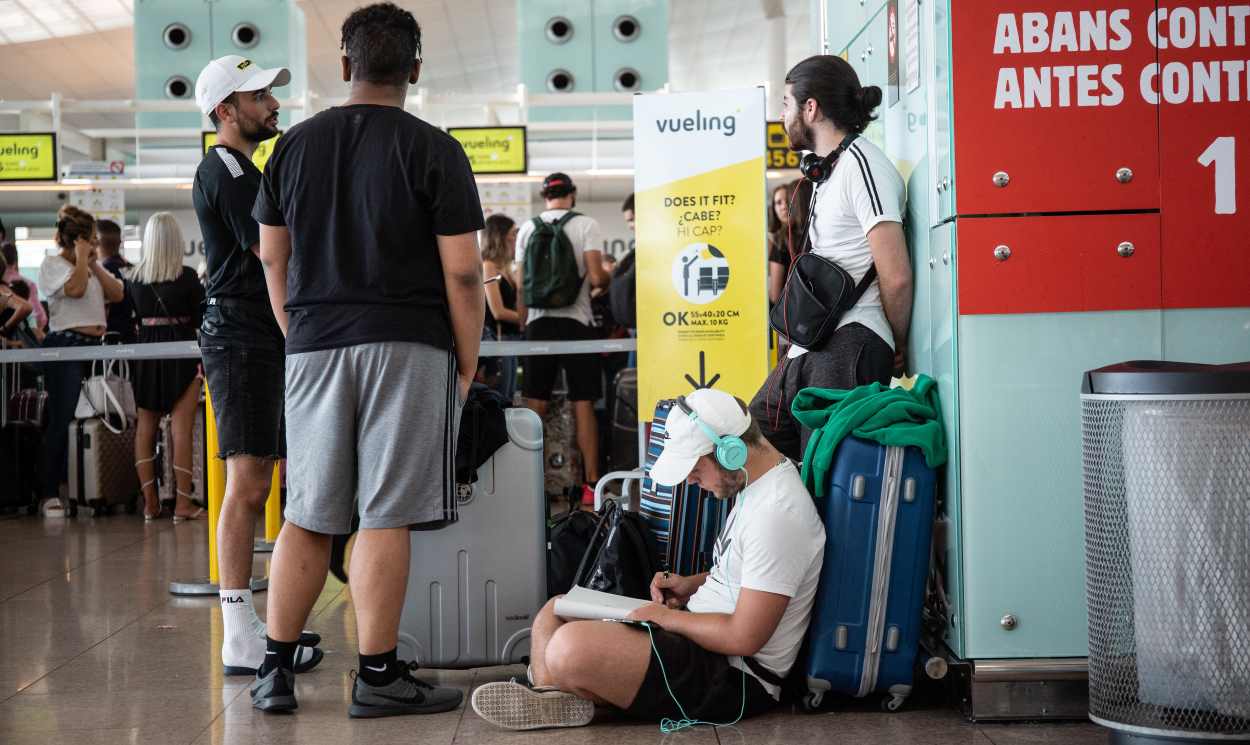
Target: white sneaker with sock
point(243, 646)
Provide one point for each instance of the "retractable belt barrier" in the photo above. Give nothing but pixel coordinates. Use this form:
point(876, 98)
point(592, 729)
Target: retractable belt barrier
point(181, 350)
point(215, 469)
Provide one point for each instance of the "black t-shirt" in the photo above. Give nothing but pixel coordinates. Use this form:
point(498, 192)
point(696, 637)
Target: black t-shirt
point(364, 191)
point(121, 315)
point(177, 299)
point(225, 189)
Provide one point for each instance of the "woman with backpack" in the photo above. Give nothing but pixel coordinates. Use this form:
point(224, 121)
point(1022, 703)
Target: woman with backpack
point(503, 322)
point(166, 296)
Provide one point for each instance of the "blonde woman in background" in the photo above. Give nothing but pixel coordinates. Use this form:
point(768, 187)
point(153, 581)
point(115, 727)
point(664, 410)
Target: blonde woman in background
point(166, 296)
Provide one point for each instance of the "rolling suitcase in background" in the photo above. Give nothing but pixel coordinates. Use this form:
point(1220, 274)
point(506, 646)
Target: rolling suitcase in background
point(563, 471)
point(864, 636)
point(623, 449)
point(684, 519)
point(199, 454)
point(476, 584)
point(101, 467)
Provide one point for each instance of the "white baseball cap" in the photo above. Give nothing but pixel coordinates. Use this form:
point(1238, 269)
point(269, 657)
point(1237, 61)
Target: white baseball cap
point(686, 441)
point(226, 75)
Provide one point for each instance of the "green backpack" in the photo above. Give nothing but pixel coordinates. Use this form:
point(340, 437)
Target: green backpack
point(550, 276)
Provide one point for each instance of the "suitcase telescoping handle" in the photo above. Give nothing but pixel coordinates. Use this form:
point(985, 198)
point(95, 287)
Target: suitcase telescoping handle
point(625, 477)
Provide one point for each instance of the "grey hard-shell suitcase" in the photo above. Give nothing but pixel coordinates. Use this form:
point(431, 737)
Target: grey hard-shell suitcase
point(101, 466)
point(475, 585)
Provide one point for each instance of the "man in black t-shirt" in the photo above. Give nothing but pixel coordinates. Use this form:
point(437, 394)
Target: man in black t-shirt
point(240, 342)
point(121, 315)
point(368, 238)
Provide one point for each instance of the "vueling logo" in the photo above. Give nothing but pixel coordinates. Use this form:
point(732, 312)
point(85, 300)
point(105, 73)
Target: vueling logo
point(726, 125)
point(244, 64)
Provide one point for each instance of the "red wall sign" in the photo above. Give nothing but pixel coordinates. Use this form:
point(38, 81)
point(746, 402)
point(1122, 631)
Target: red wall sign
point(1092, 107)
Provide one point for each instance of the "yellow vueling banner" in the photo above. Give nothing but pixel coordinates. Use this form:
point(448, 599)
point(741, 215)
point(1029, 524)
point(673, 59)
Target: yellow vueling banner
point(701, 246)
point(493, 149)
point(28, 157)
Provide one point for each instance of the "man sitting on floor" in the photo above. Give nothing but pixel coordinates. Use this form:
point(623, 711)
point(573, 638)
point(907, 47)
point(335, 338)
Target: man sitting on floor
point(714, 640)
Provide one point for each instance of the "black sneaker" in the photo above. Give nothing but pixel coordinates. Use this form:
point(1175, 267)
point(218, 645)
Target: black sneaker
point(309, 639)
point(275, 691)
point(404, 695)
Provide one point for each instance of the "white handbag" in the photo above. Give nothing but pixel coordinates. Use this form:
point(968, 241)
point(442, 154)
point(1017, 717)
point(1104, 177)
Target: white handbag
point(107, 394)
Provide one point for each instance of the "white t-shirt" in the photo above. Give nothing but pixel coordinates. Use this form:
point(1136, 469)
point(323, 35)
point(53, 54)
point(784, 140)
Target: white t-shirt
point(864, 190)
point(66, 312)
point(773, 541)
point(583, 232)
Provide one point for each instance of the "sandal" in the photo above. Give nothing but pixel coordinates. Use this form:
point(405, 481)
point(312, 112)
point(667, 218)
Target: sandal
point(148, 516)
point(198, 514)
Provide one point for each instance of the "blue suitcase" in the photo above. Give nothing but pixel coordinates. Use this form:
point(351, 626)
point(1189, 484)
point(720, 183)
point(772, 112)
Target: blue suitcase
point(864, 636)
point(684, 519)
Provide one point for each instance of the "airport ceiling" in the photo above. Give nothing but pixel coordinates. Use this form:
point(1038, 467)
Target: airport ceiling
point(83, 48)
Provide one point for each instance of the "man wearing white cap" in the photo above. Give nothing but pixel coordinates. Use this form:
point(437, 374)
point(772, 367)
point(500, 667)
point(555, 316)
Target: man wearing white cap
point(716, 646)
point(240, 342)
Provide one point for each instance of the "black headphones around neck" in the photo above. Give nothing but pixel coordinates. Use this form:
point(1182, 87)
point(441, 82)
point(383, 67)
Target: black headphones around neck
point(817, 169)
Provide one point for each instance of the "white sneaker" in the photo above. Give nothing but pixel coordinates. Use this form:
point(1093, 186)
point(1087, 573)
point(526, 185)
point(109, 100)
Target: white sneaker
point(52, 508)
point(513, 706)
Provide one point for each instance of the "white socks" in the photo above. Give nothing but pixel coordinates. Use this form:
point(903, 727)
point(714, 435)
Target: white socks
point(242, 646)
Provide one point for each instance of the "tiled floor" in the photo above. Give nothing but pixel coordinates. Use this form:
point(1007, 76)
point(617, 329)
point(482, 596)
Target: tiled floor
point(94, 651)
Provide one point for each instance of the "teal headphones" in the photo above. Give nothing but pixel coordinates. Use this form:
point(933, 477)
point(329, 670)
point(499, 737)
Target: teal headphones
point(731, 451)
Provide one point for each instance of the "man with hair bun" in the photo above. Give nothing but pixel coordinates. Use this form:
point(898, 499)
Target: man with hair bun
point(857, 222)
point(369, 220)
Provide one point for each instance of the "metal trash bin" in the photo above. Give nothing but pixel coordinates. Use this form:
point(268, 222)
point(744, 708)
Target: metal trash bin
point(1166, 452)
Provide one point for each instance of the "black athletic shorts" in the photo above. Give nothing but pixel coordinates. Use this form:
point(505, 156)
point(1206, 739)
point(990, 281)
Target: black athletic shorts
point(248, 389)
point(582, 370)
point(709, 689)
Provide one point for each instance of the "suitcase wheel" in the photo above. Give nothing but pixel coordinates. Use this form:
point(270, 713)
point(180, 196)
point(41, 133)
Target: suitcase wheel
point(892, 702)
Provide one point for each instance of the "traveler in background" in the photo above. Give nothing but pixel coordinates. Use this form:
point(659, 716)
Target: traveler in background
point(77, 288)
point(360, 197)
point(623, 285)
point(13, 308)
point(503, 321)
point(858, 224)
point(11, 275)
point(572, 322)
point(166, 297)
point(240, 342)
point(121, 315)
point(779, 240)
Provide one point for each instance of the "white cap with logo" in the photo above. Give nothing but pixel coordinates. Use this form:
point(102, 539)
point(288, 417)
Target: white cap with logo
point(687, 442)
point(226, 75)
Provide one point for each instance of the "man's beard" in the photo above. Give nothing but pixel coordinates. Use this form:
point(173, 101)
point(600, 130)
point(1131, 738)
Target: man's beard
point(256, 132)
point(733, 483)
point(800, 135)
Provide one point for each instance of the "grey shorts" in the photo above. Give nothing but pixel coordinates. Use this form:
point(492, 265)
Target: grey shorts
point(371, 428)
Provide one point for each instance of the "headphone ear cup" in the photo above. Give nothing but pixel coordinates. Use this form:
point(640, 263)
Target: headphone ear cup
point(812, 167)
point(731, 453)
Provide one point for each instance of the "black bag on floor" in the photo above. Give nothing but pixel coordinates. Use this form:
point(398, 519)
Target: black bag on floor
point(568, 537)
point(622, 556)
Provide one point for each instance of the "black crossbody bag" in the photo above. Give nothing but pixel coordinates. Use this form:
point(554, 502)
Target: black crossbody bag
point(817, 291)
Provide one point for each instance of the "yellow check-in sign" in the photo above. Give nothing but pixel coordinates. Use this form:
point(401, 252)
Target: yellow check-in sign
point(493, 149)
point(259, 158)
point(28, 157)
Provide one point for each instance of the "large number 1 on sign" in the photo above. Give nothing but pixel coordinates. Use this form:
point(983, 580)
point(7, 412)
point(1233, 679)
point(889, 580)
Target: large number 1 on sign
point(1223, 153)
